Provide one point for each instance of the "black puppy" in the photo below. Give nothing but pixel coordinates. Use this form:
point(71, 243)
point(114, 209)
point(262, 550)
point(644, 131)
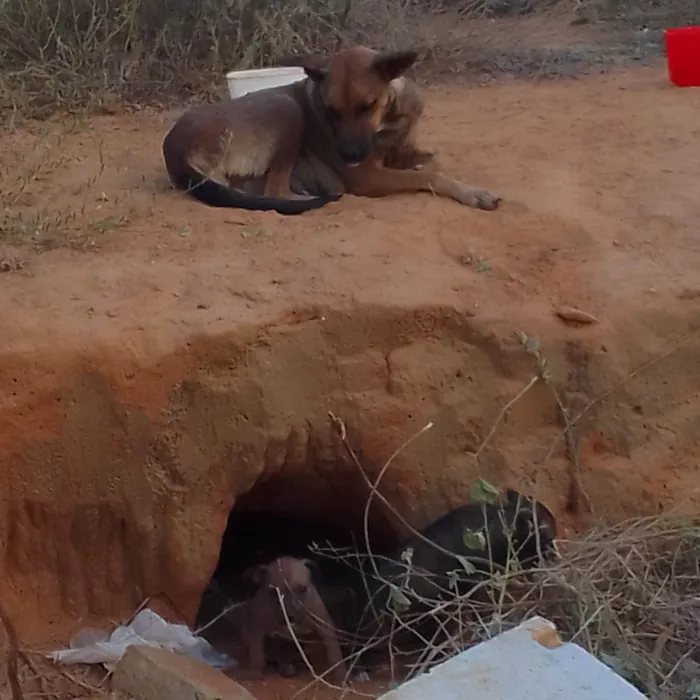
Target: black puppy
point(473, 541)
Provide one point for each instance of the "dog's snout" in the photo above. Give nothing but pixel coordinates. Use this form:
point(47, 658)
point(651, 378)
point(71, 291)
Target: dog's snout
point(354, 151)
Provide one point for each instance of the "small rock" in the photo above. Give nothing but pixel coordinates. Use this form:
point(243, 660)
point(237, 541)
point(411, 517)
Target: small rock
point(10, 264)
point(149, 673)
point(570, 313)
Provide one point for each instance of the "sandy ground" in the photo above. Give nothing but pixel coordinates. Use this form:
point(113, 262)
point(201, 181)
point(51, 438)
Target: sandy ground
point(600, 177)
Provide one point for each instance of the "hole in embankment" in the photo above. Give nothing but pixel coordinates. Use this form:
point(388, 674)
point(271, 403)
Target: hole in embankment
point(317, 514)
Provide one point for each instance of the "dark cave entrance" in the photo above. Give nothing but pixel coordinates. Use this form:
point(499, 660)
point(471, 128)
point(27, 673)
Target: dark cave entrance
point(286, 514)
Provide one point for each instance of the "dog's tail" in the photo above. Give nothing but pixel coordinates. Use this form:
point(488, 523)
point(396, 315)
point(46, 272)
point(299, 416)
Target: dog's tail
point(214, 194)
point(217, 195)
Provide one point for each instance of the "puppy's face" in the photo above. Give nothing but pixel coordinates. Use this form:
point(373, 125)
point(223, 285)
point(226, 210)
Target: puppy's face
point(287, 578)
point(354, 87)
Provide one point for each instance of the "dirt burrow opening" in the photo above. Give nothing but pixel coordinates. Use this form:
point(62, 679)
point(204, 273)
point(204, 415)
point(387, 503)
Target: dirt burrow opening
point(316, 514)
point(121, 472)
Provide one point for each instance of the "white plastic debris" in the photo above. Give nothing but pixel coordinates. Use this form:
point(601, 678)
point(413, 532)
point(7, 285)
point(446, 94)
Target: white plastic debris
point(525, 663)
point(91, 646)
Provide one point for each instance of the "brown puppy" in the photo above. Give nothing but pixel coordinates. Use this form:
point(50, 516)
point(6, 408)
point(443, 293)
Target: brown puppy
point(289, 578)
point(296, 147)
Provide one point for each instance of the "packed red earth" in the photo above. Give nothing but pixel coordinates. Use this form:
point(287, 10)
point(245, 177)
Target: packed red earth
point(161, 358)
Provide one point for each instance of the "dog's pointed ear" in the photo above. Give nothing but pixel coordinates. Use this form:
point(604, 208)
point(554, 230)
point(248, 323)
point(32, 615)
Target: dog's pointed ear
point(391, 64)
point(315, 65)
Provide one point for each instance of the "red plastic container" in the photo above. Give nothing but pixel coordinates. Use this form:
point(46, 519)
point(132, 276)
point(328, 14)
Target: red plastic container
point(683, 55)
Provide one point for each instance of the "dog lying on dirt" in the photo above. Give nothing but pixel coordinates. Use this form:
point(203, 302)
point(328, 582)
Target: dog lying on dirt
point(262, 616)
point(296, 147)
point(490, 537)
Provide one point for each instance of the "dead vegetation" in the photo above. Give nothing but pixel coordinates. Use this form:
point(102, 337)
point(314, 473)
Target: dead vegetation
point(627, 594)
point(96, 54)
point(38, 158)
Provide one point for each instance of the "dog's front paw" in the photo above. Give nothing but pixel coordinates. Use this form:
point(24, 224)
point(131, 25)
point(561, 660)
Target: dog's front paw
point(481, 199)
point(361, 677)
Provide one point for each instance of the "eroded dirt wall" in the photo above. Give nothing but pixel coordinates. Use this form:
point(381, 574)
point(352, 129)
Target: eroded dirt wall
point(119, 471)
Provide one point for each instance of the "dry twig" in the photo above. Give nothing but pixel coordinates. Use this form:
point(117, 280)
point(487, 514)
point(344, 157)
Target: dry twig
point(502, 414)
point(12, 654)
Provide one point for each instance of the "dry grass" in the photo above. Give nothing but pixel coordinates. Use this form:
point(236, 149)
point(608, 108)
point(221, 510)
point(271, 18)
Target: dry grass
point(29, 167)
point(76, 54)
point(627, 594)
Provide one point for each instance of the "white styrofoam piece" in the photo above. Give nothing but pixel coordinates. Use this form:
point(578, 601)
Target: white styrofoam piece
point(241, 82)
point(514, 666)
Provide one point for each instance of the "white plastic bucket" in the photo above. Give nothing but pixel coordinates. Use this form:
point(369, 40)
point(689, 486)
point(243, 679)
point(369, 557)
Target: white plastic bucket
point(241, 82)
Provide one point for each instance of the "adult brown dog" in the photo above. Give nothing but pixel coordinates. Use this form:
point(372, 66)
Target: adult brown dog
point(296, 147)
point(287, 581)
